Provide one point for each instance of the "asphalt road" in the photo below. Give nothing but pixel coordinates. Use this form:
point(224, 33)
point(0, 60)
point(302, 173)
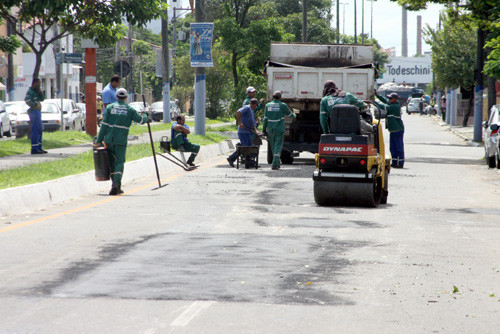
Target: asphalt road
point(221, 250)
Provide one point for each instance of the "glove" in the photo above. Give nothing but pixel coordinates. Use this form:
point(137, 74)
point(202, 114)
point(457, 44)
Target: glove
point(376, 93)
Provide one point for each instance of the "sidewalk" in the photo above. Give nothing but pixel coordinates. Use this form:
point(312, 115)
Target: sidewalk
point(20, 160)
point(464, 132)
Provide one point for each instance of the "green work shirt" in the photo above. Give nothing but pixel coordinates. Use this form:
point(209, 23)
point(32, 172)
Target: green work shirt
point(247, 102)
point(274, 116)
point(393, 123)
point(327, 104)
point(33, 97)
point(116, 123)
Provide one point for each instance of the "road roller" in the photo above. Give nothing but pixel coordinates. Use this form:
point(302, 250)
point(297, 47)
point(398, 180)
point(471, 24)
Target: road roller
point(351, 166)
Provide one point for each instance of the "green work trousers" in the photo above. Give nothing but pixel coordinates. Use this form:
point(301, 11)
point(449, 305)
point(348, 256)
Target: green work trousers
point(276, 142)
point(116, 162)
point(188, 147)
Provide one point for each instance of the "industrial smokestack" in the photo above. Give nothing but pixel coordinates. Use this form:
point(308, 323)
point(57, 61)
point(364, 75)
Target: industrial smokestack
point(419, 35)
point(404, 39)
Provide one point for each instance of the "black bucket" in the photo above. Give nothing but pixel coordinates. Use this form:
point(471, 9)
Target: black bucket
point(165, 144)
point(101, 164)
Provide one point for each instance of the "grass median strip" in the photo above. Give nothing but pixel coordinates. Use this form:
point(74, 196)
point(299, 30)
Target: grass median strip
point(50, 140)
point(81, 163)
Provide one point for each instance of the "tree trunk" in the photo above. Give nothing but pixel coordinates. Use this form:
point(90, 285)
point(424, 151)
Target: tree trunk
point(492, 94)
point(38, 64)
point(469, 109)
point(234, 65)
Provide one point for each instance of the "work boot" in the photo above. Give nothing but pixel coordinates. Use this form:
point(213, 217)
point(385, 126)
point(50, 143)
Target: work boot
point(231, 163)
point(190, 163)
point(114, 191)
point(275, 168)
point(120, 191)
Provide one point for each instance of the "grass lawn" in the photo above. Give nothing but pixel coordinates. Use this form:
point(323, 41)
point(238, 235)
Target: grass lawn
point(225, 128)
point(136, 129)
point(81, 163)
point(50, 140)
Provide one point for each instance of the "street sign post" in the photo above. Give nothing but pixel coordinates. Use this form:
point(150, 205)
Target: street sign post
point(69, 58)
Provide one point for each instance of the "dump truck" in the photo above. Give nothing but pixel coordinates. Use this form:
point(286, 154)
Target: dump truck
point(299, 72)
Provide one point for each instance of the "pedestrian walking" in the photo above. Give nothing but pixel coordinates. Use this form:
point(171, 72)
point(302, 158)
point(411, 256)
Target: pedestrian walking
point(332, 96)
point(443, 108)
point(33, 99)
point(109, 92)
point(274, 121)
point(421, 105)
point(180, 142)
point(395, 125)
point(114, 131)
point(246, 127)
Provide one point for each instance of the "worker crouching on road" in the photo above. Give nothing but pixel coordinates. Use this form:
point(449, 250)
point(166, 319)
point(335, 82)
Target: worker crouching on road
point(247, 126)
point(395, 125)
point(332, 96)
point(114, 130)
point(33, 99)
point(180, 142)
point(274, 125)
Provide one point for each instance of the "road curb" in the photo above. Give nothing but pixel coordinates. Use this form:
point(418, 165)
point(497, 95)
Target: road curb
point(38, 196)
point(455, 132)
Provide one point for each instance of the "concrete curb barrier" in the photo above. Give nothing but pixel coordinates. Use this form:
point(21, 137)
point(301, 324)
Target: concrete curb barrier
point(38, 196)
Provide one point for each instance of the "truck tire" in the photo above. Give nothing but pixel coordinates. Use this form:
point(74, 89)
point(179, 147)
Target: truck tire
point(491, 162)
point(286, 157)
point(269, 154)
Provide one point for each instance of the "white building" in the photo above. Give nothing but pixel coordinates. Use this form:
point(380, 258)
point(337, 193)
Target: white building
point(24, 73)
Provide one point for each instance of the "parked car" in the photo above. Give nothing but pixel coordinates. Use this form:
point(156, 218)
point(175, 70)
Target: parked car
point(139, 106)
point(490, 138)
point(51, 117)
point(83, 109)
point(73, 117)
point(5, 122)
point(413, 105)
point(157, 110)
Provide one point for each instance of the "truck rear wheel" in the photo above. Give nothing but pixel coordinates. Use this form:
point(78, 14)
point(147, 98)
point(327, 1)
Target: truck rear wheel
point(269, 154)
point(286, 157)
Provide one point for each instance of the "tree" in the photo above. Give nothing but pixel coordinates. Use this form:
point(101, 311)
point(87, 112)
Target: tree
point(454, 55)
point(40, 23)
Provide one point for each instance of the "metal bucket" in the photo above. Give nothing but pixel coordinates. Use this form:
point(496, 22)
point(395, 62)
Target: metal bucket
point(101, 164)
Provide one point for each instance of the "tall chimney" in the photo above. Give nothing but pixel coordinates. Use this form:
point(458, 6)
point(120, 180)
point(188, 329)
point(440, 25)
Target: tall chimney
point(404, 39)
point(419, 35)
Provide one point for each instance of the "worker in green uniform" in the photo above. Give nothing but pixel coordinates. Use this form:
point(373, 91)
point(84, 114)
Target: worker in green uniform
point(251, 91)
point(33, 99)
point(332, 96)
point(274, 126)
point(180, 142)
point(118, 117)
point(395, 125)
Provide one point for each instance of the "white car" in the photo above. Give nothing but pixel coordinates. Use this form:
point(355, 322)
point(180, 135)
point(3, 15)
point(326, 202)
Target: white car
point(490, 138)
point(5, 122)
point(73, 116)
point(413, 105)
point(51, 117)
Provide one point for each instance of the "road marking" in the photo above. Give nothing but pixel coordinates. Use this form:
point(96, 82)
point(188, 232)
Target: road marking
point(190, 313)
point(108, 200)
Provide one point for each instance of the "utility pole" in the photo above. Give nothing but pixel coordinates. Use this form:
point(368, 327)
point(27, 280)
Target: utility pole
point(200, 96)
point(355, 24)
point(130, 84)
point(362, 21)
point(10, 67)
point(404, 30)
point(304, 21)
point(371, 21)
point(338, 21)
point(166, 68)
point(478, 89)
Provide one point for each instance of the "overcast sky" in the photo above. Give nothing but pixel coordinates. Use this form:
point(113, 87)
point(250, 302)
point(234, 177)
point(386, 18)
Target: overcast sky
point(386, 22)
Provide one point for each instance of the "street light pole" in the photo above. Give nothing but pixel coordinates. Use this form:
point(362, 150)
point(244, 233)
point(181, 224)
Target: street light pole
point(165, 68)
point(338, 21)
point(200, 96)
point(355, 24)
point(362, 21)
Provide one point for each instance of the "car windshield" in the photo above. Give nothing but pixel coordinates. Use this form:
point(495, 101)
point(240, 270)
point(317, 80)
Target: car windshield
point(49, 108)
point(16, 108)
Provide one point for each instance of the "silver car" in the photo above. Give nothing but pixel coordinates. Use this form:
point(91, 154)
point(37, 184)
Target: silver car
point(5, 122)
point(413, 105)
point(73, 117)
point(490, 138)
